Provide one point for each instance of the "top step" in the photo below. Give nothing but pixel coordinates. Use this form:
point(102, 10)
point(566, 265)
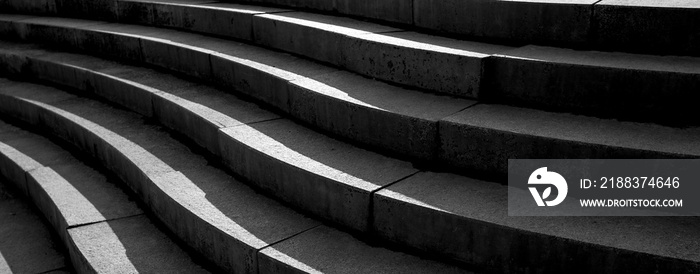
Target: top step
point(639, 26)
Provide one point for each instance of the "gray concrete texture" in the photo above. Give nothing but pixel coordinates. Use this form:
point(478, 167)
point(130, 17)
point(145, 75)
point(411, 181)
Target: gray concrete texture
point(128, 245)
point(26, 242)
point(214, 226)
point(331, 179)
point(657, 27)
point(73, 197)
point(509, 116)
point(323, 158)
point(566, 21)
point(484, 137)
point(168, 152)
point(423, 209)
point(331, 169)
point(437, 64)
point(324, 250)
point(659, 65)
point(640, 87)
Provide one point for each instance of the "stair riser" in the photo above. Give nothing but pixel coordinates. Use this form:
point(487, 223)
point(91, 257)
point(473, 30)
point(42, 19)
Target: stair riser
point(506, 250)
point(387, 131)
point(365, 54)
point(648, 27)
point(487, 151)
point(303, 188)
point(226, 251)
point(269, 85)
point(315, 193)
point(19, 170)
point(656, 30)
point(634, 94)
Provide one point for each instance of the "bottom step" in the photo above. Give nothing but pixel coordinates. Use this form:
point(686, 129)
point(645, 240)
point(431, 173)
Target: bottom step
point(103, 230)
point(26, 243)
point(215, 214)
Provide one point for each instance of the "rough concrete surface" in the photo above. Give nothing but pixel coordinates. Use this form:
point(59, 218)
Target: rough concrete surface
point(173, 196)
point(660, 27)
point(484, 137)
point(630, 86)
point(373, 113)
point(129, 245)
point(323, 249)
point(396, 11)
point(309, 170)
point(26, 243)
point(564, 21)
point(467, 219)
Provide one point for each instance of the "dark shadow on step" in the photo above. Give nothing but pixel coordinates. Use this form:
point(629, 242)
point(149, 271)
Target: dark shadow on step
point(262, 217)
point(27, 244)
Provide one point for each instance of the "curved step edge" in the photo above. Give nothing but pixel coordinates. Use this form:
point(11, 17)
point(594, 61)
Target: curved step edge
point(246, 150)
point(324, 98)
point(419, 212)
point(78, 222)
point(166, 191)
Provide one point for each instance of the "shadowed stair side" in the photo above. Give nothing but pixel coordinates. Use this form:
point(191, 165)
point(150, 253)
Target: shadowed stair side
point(428, 62)
point(484, 137)
point(431, 63)
point(472, 140)
point(392, 212)
point(628, 86)
point(211, 194)
point(639, 26)
point(26, 242)
point(103, 230)
point(335, 101)
point(424, 208)
point(293, 163)
point(659, 27)
point(191, 210)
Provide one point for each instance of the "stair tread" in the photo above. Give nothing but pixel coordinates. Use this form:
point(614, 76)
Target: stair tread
point(617, 60)
point(577, 128)
point(98, 193)
point(86, 199)
point(290, 136)
point(267, 220)
point(145, 249)
point(27, 243)
point(343, 254)
point(482, 201)
point(208, 180)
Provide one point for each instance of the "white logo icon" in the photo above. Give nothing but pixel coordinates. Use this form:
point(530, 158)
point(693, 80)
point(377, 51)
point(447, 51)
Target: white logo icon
point(543, 177)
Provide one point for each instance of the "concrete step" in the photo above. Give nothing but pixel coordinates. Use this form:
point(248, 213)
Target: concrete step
point(477, 139)
point(403, 57)
point(652, 27)
point(318, 164)
point(657, 27)
point(634, 87)
point(404, 121)
point(660, 89)
point(199, 203)
point(482, 138)
point(488, 125)
point(394, 55)
point(27, 244)
point(103, 230)
point(427, 207)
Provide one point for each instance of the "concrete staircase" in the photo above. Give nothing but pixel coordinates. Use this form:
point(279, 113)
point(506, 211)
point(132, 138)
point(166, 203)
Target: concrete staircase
point(271, 139)
point(100, 228)
point(26, 244)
